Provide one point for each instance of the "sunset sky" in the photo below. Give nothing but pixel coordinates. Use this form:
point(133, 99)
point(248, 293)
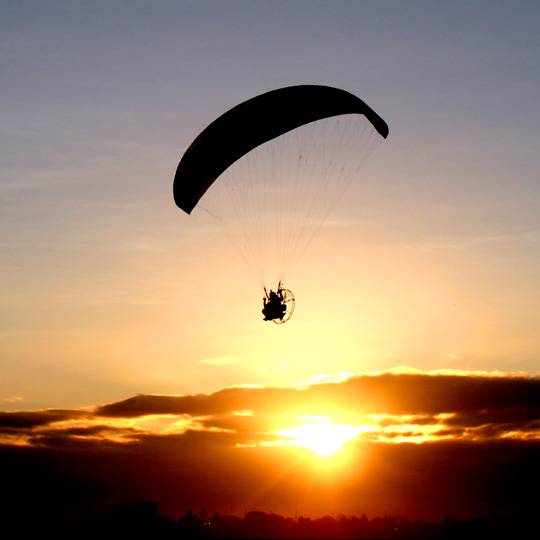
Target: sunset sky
point(430, 269)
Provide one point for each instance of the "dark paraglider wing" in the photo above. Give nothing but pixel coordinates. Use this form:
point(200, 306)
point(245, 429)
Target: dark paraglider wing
point(254, 122)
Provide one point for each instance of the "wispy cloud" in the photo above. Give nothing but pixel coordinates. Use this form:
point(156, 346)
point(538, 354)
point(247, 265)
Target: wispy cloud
point(225, 360)
point(11, 399)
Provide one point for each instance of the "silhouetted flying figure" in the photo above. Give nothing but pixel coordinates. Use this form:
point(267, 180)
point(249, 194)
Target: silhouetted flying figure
point(274, 306)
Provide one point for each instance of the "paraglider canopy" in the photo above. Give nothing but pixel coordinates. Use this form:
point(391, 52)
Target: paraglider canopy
point(254, 122)
point(283, 159)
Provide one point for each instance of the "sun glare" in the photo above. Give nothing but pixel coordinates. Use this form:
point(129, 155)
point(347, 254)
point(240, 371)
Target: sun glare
point(324, 438)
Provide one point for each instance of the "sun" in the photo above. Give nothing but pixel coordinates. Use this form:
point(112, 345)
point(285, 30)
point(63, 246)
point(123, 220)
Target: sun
point(324, 438)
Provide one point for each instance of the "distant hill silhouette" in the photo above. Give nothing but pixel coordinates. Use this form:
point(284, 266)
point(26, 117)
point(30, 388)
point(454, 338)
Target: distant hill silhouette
point(141, 519)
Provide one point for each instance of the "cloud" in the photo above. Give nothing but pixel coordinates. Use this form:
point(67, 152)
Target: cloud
point(389, 407)
point(471, 405)
point(11, 399)
point(329, 378)
point(32, 419)
point(226, 360)
point(387, 393)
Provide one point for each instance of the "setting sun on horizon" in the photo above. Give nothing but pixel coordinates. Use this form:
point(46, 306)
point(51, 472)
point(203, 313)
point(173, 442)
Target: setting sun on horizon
point(323, 437)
